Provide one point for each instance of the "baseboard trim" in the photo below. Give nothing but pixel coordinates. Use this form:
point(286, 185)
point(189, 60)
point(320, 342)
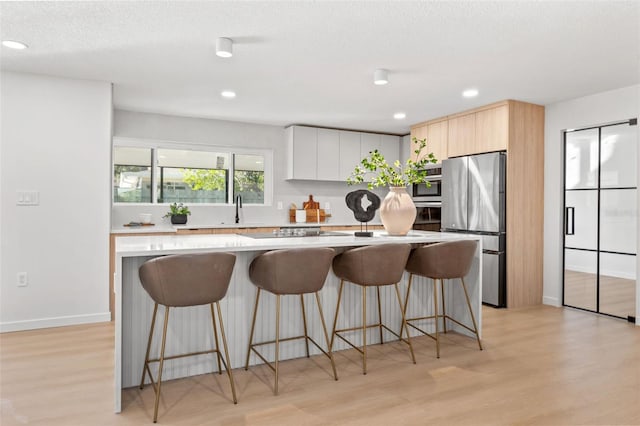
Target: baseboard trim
point(6, 327)
point(552, 301)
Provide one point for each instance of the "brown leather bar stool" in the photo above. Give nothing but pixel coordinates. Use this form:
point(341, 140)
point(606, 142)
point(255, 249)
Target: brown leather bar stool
point(181, 281)
point(442, 261)
point(371, 266)
point(290, 272)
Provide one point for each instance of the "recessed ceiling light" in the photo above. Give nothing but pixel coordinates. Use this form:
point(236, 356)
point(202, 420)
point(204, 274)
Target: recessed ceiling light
point(229, 94)
point(470, 93)
point(224, 47)
point(13, 44)
point(380, 77)
point(399, 115)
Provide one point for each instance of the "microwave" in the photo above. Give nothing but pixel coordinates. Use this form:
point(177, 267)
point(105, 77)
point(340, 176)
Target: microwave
point(433, 191)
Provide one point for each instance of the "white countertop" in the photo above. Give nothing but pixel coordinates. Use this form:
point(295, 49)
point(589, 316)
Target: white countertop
point(168, 228)
point(175, 244)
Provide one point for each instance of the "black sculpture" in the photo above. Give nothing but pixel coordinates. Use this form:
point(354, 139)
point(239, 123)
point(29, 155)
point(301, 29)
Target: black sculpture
point(354, 202)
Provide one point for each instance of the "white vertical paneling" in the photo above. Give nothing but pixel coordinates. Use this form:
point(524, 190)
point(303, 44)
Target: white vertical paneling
point(190, 329)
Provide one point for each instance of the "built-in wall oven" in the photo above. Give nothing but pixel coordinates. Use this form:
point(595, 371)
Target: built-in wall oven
point(428, 200)
point(429, 193)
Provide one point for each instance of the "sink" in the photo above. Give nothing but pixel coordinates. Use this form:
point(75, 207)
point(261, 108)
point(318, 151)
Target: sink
point(296, 234)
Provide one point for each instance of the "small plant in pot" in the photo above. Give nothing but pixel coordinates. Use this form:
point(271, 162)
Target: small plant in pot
point(178, 213)
point(397, 211)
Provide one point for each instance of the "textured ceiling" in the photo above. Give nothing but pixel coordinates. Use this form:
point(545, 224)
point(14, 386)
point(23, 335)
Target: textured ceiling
point(312, 62)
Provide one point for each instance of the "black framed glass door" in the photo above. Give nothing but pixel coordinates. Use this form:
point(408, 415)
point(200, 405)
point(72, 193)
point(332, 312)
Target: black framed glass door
point(600, 219)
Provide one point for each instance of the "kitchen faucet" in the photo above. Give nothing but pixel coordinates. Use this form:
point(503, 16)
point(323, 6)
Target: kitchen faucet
point(238, 204)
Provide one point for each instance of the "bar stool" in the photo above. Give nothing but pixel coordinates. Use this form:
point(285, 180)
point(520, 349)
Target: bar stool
point(182, 281)
point(371, 266)
point(440, 261)
point(290, 272)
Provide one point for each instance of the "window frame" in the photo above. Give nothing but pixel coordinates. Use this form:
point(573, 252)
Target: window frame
point(155, 144)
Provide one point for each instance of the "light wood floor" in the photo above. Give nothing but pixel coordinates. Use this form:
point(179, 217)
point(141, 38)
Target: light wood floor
point(541, 365)
point(617, 295)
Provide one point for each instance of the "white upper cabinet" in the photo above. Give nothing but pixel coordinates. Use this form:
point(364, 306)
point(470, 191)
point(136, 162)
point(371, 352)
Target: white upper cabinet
point(302, 144)
point(349, 153)
point(331, 155)
point(328, 154)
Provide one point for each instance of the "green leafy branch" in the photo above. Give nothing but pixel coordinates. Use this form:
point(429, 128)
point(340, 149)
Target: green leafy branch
point(395, 174)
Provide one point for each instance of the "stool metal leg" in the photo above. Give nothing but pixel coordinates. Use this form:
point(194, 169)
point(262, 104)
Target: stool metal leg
point(326, 335)
point(404, 308)
point(473, 319)
point(277, 340)
point(164, 341)
point(226, 354)
point(215, 336)
point(404, 324)
point(304, 322)
point(364, 330)
point(145, 367)
point(253, 326)
point(380, 315)
point(335, 318)
point(435, 307)
point(444, 313)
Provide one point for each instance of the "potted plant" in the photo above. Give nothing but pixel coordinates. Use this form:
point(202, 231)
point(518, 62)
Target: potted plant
point(397, 211)
point(178, 213)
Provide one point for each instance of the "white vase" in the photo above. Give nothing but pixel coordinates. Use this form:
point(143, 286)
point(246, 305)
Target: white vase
point(397, 211)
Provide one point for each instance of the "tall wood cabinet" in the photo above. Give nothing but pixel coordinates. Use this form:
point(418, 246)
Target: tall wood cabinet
point(436, 134)
point(517, 128)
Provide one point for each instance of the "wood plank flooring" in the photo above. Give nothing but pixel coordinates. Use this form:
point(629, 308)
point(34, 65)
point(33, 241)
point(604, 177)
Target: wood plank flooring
point(541, 365)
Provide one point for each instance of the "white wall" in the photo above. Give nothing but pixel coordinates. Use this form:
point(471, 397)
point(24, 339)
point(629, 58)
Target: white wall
point(591, 110)
point(227, 133)
point(55, 139)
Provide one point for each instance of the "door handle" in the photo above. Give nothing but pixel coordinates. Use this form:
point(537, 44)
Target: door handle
point(570, 220)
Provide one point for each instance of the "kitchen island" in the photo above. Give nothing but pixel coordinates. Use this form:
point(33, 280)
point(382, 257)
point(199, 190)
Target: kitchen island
point(190, 328)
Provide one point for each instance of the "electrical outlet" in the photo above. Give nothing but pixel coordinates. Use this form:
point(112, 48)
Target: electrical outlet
point(279, 205)
point(28, 198)
point(23, 279)
point(327, 206)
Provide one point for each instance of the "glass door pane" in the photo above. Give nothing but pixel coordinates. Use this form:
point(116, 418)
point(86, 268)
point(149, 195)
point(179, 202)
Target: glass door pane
point(618, 220)
point(617, 284)
point(618, 159)
point(581, 219)
point(580, 279)
point(581, 159)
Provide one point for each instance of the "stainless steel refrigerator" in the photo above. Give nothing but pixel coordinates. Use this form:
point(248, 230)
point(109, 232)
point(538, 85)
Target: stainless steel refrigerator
point(473, 202)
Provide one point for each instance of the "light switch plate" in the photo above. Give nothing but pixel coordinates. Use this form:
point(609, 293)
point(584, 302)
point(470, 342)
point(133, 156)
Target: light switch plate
point(28, 198)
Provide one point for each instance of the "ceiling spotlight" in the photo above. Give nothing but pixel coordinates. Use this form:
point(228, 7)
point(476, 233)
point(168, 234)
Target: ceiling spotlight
point(224, 47)
point(13, 44)
point(399, 115)
point(380, 77)
point(470, 93)
point(229, 94)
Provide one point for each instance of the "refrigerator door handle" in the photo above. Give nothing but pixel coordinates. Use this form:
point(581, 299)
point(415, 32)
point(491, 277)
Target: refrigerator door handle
point(570, 221)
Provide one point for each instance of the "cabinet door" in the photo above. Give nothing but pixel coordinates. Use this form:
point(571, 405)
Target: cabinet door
point(437, 135)
point(305, 143)
point(368, 143)
point(420, 132)
point(349, 152)
point(492, 129)
point(390, 148)
point(462, 135)
point(328, 152)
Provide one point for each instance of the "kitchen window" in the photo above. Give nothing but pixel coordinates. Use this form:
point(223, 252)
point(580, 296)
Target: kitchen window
point(168, 173)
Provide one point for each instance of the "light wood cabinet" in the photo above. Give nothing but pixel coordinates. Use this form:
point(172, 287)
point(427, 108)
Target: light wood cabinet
point(492, 129)
point(518, 128)
point(462, 135)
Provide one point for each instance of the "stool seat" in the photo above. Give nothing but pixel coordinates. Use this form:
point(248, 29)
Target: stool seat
point(294, 271)
point(370, 266)
point(290, 272)
point(440, 261)
point(183, 281)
